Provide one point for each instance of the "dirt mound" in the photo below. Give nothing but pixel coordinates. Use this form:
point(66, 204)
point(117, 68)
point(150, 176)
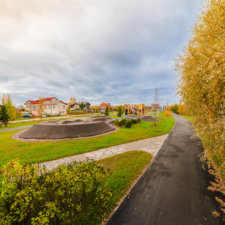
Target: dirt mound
point(100, 118)
point(69, 130)
point(149, 119)
point(72, 121)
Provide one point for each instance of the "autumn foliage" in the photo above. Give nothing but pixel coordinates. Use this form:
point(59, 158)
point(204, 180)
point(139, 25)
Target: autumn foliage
point(202, 83)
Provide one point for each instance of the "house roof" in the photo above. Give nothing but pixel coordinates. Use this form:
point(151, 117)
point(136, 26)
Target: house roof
point(37, 101)
point(105, 105)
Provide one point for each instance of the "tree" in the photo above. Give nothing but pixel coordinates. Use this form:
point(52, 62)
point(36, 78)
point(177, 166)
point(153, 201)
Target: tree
point(107, 111)
point(82, 106)
point(11, 109)
point(202, 86)
point(40, 107)
point(174, 108)
point(119, 114)
point(4, 116)
point(71, 101)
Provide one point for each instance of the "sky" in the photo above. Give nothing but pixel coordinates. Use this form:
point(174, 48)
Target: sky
point(116, 51)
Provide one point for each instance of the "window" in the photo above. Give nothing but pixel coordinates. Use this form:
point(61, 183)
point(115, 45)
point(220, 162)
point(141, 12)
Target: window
point(49, 106)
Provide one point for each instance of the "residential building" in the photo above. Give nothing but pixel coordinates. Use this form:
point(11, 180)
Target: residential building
point(156, 108)
point(76, 106)
point(103, 106)
point(51, 106)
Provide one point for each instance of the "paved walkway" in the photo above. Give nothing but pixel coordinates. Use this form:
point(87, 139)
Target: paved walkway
point(151, 145)
point(173, 190)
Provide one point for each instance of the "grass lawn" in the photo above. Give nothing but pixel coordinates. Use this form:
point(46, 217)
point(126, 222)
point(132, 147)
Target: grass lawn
point(31, 152)
point(125, 168)
point(28, 123)
point(190, 118)
point(20, 124)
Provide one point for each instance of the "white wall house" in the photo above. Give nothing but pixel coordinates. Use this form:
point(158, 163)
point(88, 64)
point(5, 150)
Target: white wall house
point(51, 106)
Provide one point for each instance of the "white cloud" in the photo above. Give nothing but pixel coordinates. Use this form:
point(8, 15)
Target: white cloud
point(111, 50)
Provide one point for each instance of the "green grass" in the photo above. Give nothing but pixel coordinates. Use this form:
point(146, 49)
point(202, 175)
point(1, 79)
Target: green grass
point(21, 124)
point(28, 123)
point(190, 118)
point(125, 169)
point(30, 152)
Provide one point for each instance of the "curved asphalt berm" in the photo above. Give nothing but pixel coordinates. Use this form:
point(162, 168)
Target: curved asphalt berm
point(173, 190)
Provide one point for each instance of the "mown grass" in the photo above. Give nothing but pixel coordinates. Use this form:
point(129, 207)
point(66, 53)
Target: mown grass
point(30, 152)
point(125, 168)
point(190, 118)
point(13, 124)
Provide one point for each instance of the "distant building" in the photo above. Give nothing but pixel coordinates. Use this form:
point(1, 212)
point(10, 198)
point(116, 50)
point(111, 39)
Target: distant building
point(76, 106)
point(52, 106)
point(21, 108)
point(103, 106)
point(156, 108)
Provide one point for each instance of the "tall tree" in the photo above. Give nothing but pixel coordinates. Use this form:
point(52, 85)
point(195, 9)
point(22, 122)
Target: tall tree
point(40, 107)
point(202, 83)
point(11, 109)
point(107, 111)
point(82, 106)
point(119, 113)
point(71, 101)
point(4, 116)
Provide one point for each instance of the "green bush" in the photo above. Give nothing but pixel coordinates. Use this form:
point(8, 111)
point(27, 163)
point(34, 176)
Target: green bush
point(134, 121)
point(138, 120)
point(74, 194)
point(128, 123)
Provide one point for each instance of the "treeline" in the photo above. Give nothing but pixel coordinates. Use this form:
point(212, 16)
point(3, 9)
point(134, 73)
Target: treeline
point(202, 85)
point(178, 109)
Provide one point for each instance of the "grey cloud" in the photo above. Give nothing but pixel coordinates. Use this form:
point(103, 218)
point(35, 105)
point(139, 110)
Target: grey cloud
point(117, 51)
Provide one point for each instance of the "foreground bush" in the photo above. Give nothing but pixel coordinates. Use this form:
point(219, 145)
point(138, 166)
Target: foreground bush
point(73, 194)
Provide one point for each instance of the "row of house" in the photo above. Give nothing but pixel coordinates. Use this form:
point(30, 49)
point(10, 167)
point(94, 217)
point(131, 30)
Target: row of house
point(52, 106)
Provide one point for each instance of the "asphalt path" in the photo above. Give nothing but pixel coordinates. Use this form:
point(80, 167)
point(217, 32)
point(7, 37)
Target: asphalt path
point(173, 190)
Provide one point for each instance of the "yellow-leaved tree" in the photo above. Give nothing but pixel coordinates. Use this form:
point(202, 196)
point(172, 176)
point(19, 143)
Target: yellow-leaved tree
point(202, 84)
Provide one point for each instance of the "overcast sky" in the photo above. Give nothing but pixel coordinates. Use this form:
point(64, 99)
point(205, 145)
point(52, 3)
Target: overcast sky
point(115, 51)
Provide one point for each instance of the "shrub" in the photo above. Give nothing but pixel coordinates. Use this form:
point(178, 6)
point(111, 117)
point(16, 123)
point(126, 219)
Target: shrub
point(128, 123)
point(133, 121)
point(73, 194)
point(138, 120)
point(123, 121)
point(167, 113)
